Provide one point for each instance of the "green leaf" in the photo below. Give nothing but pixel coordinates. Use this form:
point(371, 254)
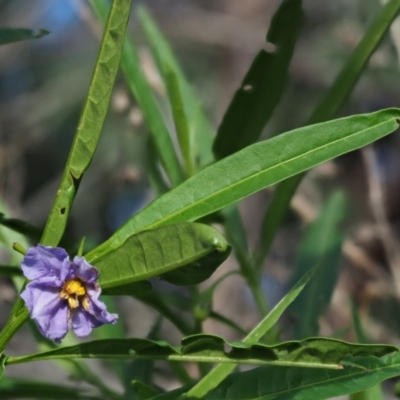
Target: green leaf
point(22, 388)
point(310, 353)
point(161, 304)
point(131, 289)
point(220, 372)
point(143, 391)
point(143, 94)
point(180, 118)
point(91, 120)
point(254, 168)
point(283, 383)
point(261, 88)
point(10, 270)
point(21, 227)
point(201, 131)
point(357, 62)
point(84, 144)
point(10, 35)
point(198, 248)
point(328, 108)
point(312, 302)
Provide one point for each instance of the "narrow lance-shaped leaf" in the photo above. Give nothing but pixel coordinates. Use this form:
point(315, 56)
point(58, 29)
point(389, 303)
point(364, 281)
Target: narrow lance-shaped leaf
point(322, 245)
point(330, 105)
point(220, 372)
point(30, 231)
point(180, 118)
point(143, 94)
point(22, 388)
point(10, 35)
point(201, 130)
point(287, 383)
point(183, 254)
point(91, 120)
point(85, 141)
point(310, 353)
point(261, 88)
point(254, 168)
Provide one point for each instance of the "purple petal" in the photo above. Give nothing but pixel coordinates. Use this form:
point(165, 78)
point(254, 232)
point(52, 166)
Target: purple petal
point(81, 323)
point(84, 271)
point(98, 310)
point(44, 261)
point(47, 308)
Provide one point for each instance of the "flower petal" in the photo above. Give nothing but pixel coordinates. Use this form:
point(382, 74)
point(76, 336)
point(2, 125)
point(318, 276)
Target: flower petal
point(98, 310)
point(83, 321)
point(84, 271)
point(41, 261)
point(47, 308)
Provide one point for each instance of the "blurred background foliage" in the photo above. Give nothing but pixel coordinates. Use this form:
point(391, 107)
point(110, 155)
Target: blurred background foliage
point(43, 84)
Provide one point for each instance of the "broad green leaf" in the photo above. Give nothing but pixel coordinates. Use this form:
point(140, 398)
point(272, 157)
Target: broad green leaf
point(309, 353)
point(23, 388)
point(201, 131)
point(261, 88)
point(328, 108)
point(162, 252)
point(284, 383)
point(91, 120)
point(143, 94)
point(322, 245)
point(131, 289)
point(22, 227)
point(220, 372)
point(254, 168)
point(10, 35)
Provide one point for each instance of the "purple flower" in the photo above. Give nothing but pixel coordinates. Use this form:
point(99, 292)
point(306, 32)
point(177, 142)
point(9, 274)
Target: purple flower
point(62, 294)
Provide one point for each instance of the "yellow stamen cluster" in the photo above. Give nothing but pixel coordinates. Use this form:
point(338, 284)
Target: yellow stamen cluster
point(74, 291)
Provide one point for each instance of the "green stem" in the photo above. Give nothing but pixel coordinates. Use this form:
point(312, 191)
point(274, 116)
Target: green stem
point(15, 321)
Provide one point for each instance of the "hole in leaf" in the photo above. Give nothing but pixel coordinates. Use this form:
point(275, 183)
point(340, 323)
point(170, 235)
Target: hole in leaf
point(248, 88)
point(227, 348)
point(270, 47)
point(62, 210)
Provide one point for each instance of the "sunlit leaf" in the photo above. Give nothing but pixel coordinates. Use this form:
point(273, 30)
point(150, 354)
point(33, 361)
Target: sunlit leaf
point(162, 252)
point(145, 98)
point(283, 383)
point(91, 121)
point(254, 168)
point(310, 353)
point(333, 100)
